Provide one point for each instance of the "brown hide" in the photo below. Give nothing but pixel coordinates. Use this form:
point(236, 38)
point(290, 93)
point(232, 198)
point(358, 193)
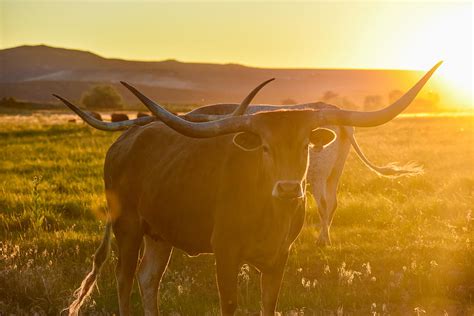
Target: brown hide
point(227, 108)
point(199, 193)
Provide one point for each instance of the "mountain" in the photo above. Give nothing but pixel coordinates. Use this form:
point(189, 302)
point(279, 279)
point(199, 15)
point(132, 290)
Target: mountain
point(33, 73)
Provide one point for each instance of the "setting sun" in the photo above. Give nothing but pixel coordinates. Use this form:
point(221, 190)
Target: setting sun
point(446, 33)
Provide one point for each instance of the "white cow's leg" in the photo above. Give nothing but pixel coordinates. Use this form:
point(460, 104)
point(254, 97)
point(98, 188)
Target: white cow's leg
point(320, 195)
point(326, 168)
point(154, 262)
point(331, 205)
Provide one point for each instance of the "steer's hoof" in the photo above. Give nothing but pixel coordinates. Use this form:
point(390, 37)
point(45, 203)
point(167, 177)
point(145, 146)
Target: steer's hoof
point(323, 241)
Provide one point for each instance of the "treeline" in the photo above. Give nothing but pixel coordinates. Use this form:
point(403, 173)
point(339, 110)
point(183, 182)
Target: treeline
point(427, 102)
point(106, 97)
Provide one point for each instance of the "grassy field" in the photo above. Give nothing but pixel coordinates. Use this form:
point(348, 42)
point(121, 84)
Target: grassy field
point(400, 247)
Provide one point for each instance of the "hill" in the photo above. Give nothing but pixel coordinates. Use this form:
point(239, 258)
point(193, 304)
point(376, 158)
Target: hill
point(32, 73)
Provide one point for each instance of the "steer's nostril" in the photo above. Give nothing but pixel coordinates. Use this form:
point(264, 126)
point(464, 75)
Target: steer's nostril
point(288, 187)
point(288, 190)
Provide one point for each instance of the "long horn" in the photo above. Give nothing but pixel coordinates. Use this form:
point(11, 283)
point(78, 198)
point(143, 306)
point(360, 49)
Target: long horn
point(368, 119)
point(227, 125)
point(240, 110)
point(105, 126)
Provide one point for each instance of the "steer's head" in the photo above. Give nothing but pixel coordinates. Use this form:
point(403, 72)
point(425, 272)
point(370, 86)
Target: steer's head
point(281, 139)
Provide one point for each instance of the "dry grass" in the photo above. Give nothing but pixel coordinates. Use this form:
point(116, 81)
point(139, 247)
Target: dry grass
point(401, 246)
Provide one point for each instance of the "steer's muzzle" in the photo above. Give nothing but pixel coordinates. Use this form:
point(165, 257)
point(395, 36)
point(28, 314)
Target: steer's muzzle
point(288, 190)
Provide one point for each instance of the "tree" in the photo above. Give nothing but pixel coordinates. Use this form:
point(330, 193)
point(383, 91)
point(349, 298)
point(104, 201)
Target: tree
point(433, 98)
point(372, 102)
point(329, 96)
point(288, 101)
point(8, 101)
point(394, 95)
point(102, 97)
point(348, 104)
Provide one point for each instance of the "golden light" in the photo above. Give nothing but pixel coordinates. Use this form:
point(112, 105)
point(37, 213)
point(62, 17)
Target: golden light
point(456, 31)
point(447, 36)
point(458, 80)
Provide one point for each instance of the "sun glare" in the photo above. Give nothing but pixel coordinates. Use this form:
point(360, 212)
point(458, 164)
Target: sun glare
point(439, 32)
point(456, 73)
point(458, 80)
point(451, 40)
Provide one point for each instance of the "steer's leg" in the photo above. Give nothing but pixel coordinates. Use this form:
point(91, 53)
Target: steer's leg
point(129, 237)
point(227, 267)
point(154, 262)
point(331, 202)
point(270, 285)
point(320, 195)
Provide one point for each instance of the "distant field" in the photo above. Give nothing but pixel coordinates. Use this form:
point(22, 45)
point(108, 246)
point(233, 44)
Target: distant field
point(21, 108)
point(401, 247)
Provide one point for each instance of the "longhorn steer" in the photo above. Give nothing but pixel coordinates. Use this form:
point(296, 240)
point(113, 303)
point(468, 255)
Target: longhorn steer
point(233, 187)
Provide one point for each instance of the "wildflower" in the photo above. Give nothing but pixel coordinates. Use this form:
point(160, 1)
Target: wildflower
point(306, 283)
point(346, 276)
point(340, 311)
point(244, 273)
point(326, 269)
point(373, 309)
point(367, 268)
point(419, 311)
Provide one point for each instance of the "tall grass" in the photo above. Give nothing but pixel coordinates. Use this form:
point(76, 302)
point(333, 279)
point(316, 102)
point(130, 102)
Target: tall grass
point(402, 246)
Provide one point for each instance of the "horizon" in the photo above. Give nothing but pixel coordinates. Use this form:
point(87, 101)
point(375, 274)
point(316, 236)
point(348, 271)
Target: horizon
point(205, 63)
point(351, 92)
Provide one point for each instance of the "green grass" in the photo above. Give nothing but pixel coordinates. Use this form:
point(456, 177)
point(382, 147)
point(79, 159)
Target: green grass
point(398, 245)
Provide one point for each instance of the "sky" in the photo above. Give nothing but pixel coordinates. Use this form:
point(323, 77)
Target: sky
point(283, 34)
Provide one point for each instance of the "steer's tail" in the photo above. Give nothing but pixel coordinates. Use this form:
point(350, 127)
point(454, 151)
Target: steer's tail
point(89, 281)
point(392, 170)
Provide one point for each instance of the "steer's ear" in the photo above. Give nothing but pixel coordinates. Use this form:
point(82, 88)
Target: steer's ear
point(321, 137)
point(247, 141)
